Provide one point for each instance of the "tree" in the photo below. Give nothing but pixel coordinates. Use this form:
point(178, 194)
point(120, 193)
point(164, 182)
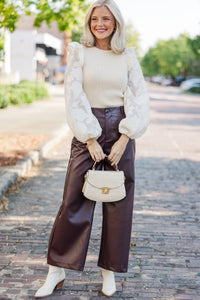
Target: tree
point(170, 58)
point(194, 44)
point(68, 14)
point(10, 13)
point(133, 39)
point(150, 63)
point(76, 34)
point(1, 47)
point(9, 16)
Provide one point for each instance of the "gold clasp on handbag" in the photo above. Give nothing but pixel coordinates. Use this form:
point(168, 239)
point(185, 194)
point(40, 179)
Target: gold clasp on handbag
point(105, 190)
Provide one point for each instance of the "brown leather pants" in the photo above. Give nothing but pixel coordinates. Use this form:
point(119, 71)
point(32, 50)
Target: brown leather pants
point(70, 234)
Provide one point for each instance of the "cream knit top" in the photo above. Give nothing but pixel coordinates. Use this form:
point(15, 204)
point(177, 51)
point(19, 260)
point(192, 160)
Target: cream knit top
point(105, 77)
point(100, 78)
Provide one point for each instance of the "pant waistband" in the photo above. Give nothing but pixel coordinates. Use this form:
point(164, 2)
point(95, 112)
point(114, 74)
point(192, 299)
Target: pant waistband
point(107, 110)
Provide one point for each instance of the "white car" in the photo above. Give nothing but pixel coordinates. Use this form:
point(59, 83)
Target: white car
point(158, 79)
point(166, 82)
point(190, 83)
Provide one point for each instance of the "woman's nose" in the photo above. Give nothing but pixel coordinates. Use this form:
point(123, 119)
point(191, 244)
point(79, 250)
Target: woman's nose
point(100, 22)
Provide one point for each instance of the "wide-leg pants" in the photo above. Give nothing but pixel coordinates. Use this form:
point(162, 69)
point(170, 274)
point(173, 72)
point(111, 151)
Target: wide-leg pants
point(70, 234)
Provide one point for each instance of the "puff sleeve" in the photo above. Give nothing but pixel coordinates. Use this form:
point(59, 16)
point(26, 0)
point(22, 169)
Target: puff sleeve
point(80, 118)
point(136, 99)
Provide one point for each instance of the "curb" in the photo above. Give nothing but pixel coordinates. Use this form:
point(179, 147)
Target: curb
point(11, 174)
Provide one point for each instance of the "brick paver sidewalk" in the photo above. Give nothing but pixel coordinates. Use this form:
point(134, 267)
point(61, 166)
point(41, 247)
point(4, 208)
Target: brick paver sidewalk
point(165, 246)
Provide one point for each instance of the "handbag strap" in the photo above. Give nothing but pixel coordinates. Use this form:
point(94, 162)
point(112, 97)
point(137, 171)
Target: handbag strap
point(94, 165)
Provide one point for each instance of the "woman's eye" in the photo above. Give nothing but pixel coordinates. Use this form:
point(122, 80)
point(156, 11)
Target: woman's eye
point(95, 19)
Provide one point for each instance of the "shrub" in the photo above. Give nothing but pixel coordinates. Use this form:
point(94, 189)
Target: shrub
point(14, 97)
point(194, 90)
point(4, 100)
point(21, 95)
point(24, 92)
point(37, 88)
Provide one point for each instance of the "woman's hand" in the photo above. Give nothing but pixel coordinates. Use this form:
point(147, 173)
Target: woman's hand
point(95, 150)
point(118, 149)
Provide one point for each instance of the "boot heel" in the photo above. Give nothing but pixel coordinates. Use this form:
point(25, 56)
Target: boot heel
point(59, 285)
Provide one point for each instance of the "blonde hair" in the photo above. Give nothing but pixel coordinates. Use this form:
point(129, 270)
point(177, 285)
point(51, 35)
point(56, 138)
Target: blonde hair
point(118, 40)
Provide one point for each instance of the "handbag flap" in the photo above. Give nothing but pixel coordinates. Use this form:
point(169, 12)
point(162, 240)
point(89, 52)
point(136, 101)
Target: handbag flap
point(110, 179)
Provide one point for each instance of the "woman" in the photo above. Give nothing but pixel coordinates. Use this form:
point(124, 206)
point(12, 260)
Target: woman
point(107, 108)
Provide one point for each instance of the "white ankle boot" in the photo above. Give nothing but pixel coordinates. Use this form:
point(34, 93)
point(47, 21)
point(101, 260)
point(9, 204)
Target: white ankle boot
point(54, 280)
point(109, 286)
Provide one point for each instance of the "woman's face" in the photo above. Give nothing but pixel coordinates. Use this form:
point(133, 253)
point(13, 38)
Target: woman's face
point(102, 23)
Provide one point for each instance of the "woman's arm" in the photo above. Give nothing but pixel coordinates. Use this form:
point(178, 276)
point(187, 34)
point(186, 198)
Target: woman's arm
point(95, 150)
point(136, 100)
point(118, 149)
point(80, 118)
point(136, 106)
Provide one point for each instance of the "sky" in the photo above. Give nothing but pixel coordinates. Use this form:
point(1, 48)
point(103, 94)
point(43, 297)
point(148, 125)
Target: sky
point(161, 19)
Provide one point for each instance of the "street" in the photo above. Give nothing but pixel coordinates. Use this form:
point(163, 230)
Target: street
point(165, 245)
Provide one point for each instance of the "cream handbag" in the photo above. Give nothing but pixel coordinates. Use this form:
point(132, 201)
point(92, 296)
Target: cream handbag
point(104, 186)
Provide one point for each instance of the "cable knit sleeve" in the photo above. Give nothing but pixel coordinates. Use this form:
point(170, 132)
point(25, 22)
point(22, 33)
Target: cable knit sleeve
point(136, 99)
point(80, 118)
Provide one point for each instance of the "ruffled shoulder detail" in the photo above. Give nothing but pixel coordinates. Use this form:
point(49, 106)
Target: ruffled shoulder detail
point(130, 53)
point(136, 99)
point(80, 118)
point(76, 48)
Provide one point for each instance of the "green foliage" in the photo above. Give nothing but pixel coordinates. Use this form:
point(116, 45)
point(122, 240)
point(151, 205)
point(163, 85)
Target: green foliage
point(24, 92)
point(194, 90)
point(69, 14)
point(37, 89)
point(133, 39)
point(10, 13)
point(170, 58)
point(76, 34)
point(195, 46)
point(20, 95)
point(150, 63)
point(4, 99)
point(1, 42)
point(1, 47)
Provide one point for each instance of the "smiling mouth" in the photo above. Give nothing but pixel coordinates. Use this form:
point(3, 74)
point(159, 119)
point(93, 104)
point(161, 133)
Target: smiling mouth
point(101, 30)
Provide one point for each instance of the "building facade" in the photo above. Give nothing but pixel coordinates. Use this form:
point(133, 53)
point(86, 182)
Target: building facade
point(30, 53)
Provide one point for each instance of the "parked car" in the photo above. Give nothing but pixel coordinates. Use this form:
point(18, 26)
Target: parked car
point(166, 82)
point(162, 80)
point(180, 79)
point(158, 79)
point(190, 83)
